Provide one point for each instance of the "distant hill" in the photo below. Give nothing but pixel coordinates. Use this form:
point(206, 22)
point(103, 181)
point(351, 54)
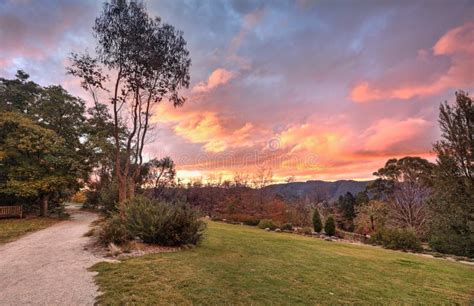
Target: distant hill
point(322, 189)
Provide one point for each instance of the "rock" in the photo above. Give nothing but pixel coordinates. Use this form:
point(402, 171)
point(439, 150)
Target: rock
point(328, 239)
point(278, 230)
point(267, 229)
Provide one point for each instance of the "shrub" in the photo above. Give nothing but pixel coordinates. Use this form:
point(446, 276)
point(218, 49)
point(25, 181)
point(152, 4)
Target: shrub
point(397, 239)
point(114, 231)
point(287, 227)
point(92, 199)
point(164, 223)
point(317, 224)
point(330, 226)
point(267, 223)
point(307, 230)
point(252, 222)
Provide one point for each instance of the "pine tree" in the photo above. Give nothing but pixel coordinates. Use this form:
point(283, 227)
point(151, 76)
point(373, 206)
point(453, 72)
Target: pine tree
point(330, 226)
point(318, 225)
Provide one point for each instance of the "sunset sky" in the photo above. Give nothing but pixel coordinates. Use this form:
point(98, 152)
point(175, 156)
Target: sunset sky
point(311, 89)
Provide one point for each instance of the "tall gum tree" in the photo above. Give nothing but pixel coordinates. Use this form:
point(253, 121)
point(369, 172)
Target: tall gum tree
point(144, 62)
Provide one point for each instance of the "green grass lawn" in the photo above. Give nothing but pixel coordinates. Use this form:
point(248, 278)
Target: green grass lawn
point(12, 229)
point(244, 265)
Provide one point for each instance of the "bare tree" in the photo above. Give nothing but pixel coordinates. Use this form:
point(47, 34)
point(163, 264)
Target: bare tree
point(408, 206)
point(406, 188)
point(262, 177)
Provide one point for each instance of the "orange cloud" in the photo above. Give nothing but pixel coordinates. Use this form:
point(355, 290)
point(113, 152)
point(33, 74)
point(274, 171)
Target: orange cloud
point(205, 127)
point(218, 77)
point(458, 44)
point(313, 139)
point(328, 149)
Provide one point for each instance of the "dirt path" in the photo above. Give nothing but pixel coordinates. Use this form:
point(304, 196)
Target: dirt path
point(49, 267)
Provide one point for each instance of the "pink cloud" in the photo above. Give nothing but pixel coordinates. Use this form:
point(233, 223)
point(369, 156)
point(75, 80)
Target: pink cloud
point(387, 133)
point(217, 78)
point(364, 92)
point(457, 44)
point(457, 40)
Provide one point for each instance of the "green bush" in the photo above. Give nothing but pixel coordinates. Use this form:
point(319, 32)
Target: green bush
point(164, 223)
point(114, 231)
point(287, 227)
point(317, 224)
point(330, 226)
point(108, 198)
point(397, 239)
point(252, 222)
point(92, 199)
point(267, 223)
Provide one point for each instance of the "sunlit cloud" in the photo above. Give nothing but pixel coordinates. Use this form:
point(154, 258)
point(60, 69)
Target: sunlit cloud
point(386, 133)
point(274, 83)
point(217, 78)
point(208, 128)
point(457, 44)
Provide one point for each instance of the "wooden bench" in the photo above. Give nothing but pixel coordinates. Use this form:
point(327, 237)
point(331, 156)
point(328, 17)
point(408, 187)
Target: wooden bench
point(11, 211)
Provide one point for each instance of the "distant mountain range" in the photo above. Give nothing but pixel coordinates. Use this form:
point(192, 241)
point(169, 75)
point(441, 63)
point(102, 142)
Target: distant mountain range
point(321, 189)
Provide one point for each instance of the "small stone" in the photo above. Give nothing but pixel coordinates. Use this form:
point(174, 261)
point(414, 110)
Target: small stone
point(278, 230)
point(267, 229)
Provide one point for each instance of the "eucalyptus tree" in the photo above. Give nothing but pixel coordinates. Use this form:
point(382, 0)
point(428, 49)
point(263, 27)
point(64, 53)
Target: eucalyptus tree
point(139, 62)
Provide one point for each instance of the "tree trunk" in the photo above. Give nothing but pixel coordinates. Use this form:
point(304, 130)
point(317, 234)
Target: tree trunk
point(131, 188)
point(44, 206)
point(122, 191)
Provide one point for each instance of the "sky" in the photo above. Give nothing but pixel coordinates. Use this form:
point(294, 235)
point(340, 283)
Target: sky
point(309, 89)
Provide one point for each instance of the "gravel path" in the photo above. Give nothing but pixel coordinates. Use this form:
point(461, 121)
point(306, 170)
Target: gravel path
point(49, 267)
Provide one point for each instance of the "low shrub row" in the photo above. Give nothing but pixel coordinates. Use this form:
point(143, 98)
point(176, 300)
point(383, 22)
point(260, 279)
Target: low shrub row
point(251, 222)
point(267, 223)
point(397, 239)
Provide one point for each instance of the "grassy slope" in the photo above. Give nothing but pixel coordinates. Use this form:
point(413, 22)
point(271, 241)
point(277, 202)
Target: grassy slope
point(11, 229)
point(243, 265)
